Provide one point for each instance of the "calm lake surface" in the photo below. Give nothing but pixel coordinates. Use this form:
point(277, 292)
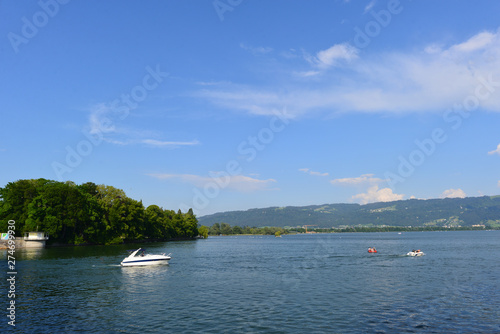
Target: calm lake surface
point(323, 283)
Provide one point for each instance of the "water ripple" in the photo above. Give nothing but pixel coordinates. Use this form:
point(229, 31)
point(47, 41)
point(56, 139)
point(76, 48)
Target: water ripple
point(301, 284)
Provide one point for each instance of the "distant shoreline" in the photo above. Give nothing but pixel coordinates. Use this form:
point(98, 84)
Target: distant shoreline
point(368, 230)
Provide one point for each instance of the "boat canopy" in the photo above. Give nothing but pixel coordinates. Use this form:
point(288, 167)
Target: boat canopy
point(138, 250)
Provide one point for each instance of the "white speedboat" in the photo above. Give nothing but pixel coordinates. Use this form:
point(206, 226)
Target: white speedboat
point(140, 258)
point(415, 253)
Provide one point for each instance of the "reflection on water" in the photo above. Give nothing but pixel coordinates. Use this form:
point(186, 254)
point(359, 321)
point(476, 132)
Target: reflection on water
point(29, 253)
point(295, 284)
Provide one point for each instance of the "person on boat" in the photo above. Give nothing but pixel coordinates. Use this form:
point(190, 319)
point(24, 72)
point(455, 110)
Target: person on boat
point(142, 254)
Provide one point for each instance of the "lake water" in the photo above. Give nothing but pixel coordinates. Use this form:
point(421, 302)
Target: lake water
point(323, 283)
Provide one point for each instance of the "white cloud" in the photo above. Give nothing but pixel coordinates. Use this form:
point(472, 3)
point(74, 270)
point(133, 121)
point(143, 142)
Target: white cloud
point(310, 172)
point(497, 151)
point(220, 180)
point(369, 6)
point(365, 179)
point(331, 56)
point(100, 119)
point(212, 83)
point(371, 184)
point(432, 49)
point(477, 42)
point(159, 143)
point(256, 50)
point(374, 194)
point(306, 74)
point(432, 80)
point(452, 193)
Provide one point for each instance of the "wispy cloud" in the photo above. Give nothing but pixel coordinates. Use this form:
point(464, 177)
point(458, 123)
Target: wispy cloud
point(101, 118)
point(334, 55)
point(256, 50)
point(369, 6)
point(107, 121)
point(479, 41)
point(310, 172)
point(497, 151)
point(212, 83)
point(306, 74)
point(453, 193)
point(365, 179)
point(159, 143)
point(430, 80)
point(238, 183)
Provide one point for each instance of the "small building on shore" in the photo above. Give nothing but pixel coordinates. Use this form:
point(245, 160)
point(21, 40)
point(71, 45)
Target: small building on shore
point(30, 240)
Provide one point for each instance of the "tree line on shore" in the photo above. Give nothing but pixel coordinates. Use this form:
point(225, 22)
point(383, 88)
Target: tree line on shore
point(88, 214)
point(226, 229)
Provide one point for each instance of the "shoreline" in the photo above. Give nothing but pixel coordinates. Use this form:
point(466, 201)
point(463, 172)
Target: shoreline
point(21, 245)
point(392, 229)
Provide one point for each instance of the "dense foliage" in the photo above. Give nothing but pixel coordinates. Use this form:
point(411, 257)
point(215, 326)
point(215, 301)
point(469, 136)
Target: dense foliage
point(447, 212)
point(88, 213)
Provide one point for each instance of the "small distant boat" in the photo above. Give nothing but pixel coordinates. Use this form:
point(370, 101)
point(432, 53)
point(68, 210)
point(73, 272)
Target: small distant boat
point(140, 258)
point(415, 253)
point(372, 250)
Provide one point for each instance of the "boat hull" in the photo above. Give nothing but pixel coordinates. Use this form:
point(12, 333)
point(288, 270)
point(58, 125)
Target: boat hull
point(144, 262)
point(415, 254)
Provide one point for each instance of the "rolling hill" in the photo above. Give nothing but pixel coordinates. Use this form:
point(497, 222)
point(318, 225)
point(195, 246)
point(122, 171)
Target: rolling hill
point(467, 211)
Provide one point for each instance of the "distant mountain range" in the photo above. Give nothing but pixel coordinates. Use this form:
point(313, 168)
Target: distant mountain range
point(447, 212)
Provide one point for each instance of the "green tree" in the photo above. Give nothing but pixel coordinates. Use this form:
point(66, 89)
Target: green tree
point(154, 222)
point(93, 229)
point(203, 231)
point(226, 229)
point(190, 224)
point(61, 210)
point(115, 206)
point(214, 229)
point(15, 198)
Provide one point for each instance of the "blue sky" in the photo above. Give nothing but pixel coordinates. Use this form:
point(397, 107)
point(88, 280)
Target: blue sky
point(236, 104)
